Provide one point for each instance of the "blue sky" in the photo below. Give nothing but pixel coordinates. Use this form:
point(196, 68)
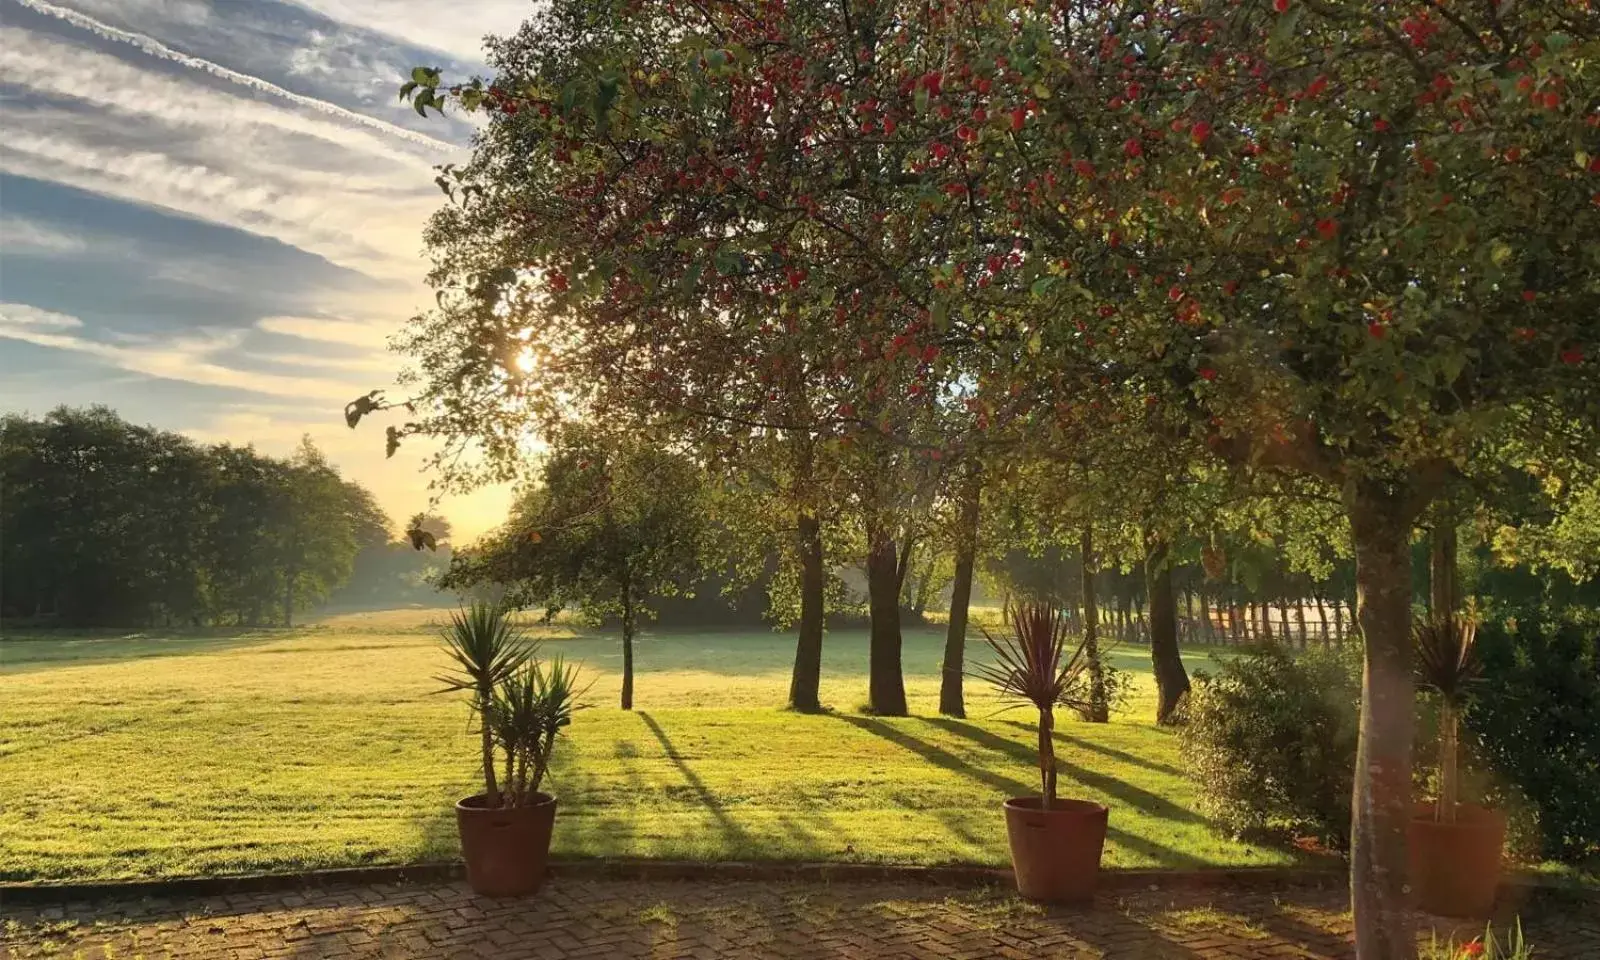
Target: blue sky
point(211, 213)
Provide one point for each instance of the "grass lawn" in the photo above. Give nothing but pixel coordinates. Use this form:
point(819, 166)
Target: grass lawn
point(148, 755)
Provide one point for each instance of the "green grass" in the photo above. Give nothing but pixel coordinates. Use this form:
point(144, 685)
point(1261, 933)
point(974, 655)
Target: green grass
point(148, 755)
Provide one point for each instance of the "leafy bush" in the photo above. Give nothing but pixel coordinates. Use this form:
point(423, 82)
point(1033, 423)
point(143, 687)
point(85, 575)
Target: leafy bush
point(1535, 722)
point(1271, 740)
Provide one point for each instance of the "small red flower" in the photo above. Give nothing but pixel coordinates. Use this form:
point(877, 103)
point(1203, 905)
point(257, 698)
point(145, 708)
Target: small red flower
point(1327, 228)
point(1528, 296)
point(966, 133)
point(1473, 949)
point(1199, 132)
point(1207, 373)
point(1132, 148)
point(1175, 294)
point(1572, 356)
point(1280, 5)
point(1377, 330)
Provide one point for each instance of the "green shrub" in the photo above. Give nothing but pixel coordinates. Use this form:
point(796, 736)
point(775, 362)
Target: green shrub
point(1271, 741)
point(1535, 723)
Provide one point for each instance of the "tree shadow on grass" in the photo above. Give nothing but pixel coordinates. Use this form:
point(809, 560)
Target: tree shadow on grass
point(1133, 796)
point(1103, 750)
point(1010, 787)
point(734, 834)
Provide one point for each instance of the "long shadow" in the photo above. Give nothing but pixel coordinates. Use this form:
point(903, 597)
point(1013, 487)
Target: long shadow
point(735, 833)
point(1133, 796)
point(940, 757)
point(1104, 750)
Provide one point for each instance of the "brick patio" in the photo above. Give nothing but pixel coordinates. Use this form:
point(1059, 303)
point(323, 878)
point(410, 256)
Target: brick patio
point(587, 918)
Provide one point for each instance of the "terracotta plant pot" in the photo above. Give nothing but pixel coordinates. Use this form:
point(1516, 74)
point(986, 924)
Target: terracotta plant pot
point(1455, 867)
point(1056, 852)
point(506, 848)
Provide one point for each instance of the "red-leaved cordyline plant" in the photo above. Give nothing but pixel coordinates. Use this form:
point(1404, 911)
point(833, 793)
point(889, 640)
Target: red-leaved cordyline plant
point(1032, 665)
point(1447, 662)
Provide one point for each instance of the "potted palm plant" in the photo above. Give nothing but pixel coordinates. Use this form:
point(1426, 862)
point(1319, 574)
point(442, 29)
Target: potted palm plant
point(521, 706)
point(1055, 843)
point(1455, 846)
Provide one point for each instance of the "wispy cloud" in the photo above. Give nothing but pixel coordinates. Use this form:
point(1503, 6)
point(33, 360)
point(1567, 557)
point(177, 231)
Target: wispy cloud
point(157, 49)
point(197, 357)
point(26, 318)
point(20, 235)
point(320, 330)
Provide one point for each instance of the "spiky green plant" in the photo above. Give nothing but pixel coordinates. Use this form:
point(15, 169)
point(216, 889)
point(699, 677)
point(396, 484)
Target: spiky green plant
point(1486, 947)
point(486, 647)
point(532, 706)
point(1448, 664)
point(1032, 665)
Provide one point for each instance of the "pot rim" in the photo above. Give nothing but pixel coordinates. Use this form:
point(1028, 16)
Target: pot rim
point(1066, 806)
point(1477, 815)
point(541, 800)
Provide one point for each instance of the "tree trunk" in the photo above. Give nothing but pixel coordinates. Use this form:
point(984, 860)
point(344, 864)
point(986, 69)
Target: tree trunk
point(1205, 619)
point(1338, 621)
point(288, 600)
point(1322, 622)
point(804, 686)
point(1449, 737)
point(1443, 595)
point(627, 646)
point(1172, 681)
point(1047, 758)
point(491, 789)
point(1381, 802)
point(1099, 709)
point(1300, 619)
point(951, 701)
point(886, 689)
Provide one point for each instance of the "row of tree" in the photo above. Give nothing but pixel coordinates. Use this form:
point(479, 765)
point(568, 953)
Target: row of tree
point(105, 522)
point(1202, 263)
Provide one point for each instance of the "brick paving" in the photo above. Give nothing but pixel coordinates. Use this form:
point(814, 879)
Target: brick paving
point(576, 919)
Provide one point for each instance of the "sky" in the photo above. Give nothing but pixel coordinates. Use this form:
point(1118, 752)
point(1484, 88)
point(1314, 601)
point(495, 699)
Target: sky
point(211, 215)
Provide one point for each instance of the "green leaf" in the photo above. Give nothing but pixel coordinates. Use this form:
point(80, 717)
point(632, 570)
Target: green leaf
point(1283, 30)
point(1042, 286)
point(691, 277)
point(940, 314)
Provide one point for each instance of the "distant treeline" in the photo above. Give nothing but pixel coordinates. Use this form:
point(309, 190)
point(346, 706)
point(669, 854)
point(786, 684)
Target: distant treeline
point(105, 522)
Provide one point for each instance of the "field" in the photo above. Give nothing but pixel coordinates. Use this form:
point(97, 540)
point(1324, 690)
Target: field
point(148, 755)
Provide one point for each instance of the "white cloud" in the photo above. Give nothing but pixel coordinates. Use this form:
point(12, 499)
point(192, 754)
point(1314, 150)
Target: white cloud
point(20, 235)
point(459, 34)
point(322, 330)
point(197, 357)
point(155, 48)
point(26, 317)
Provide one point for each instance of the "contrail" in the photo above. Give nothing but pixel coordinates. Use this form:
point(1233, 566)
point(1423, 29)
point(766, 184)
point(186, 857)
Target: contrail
point(158, 49)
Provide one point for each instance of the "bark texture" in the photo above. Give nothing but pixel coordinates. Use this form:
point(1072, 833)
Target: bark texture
point(952, 701)
point(886, 690)
point(1381, 800)
point(1172, 680)
point(807, 678)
